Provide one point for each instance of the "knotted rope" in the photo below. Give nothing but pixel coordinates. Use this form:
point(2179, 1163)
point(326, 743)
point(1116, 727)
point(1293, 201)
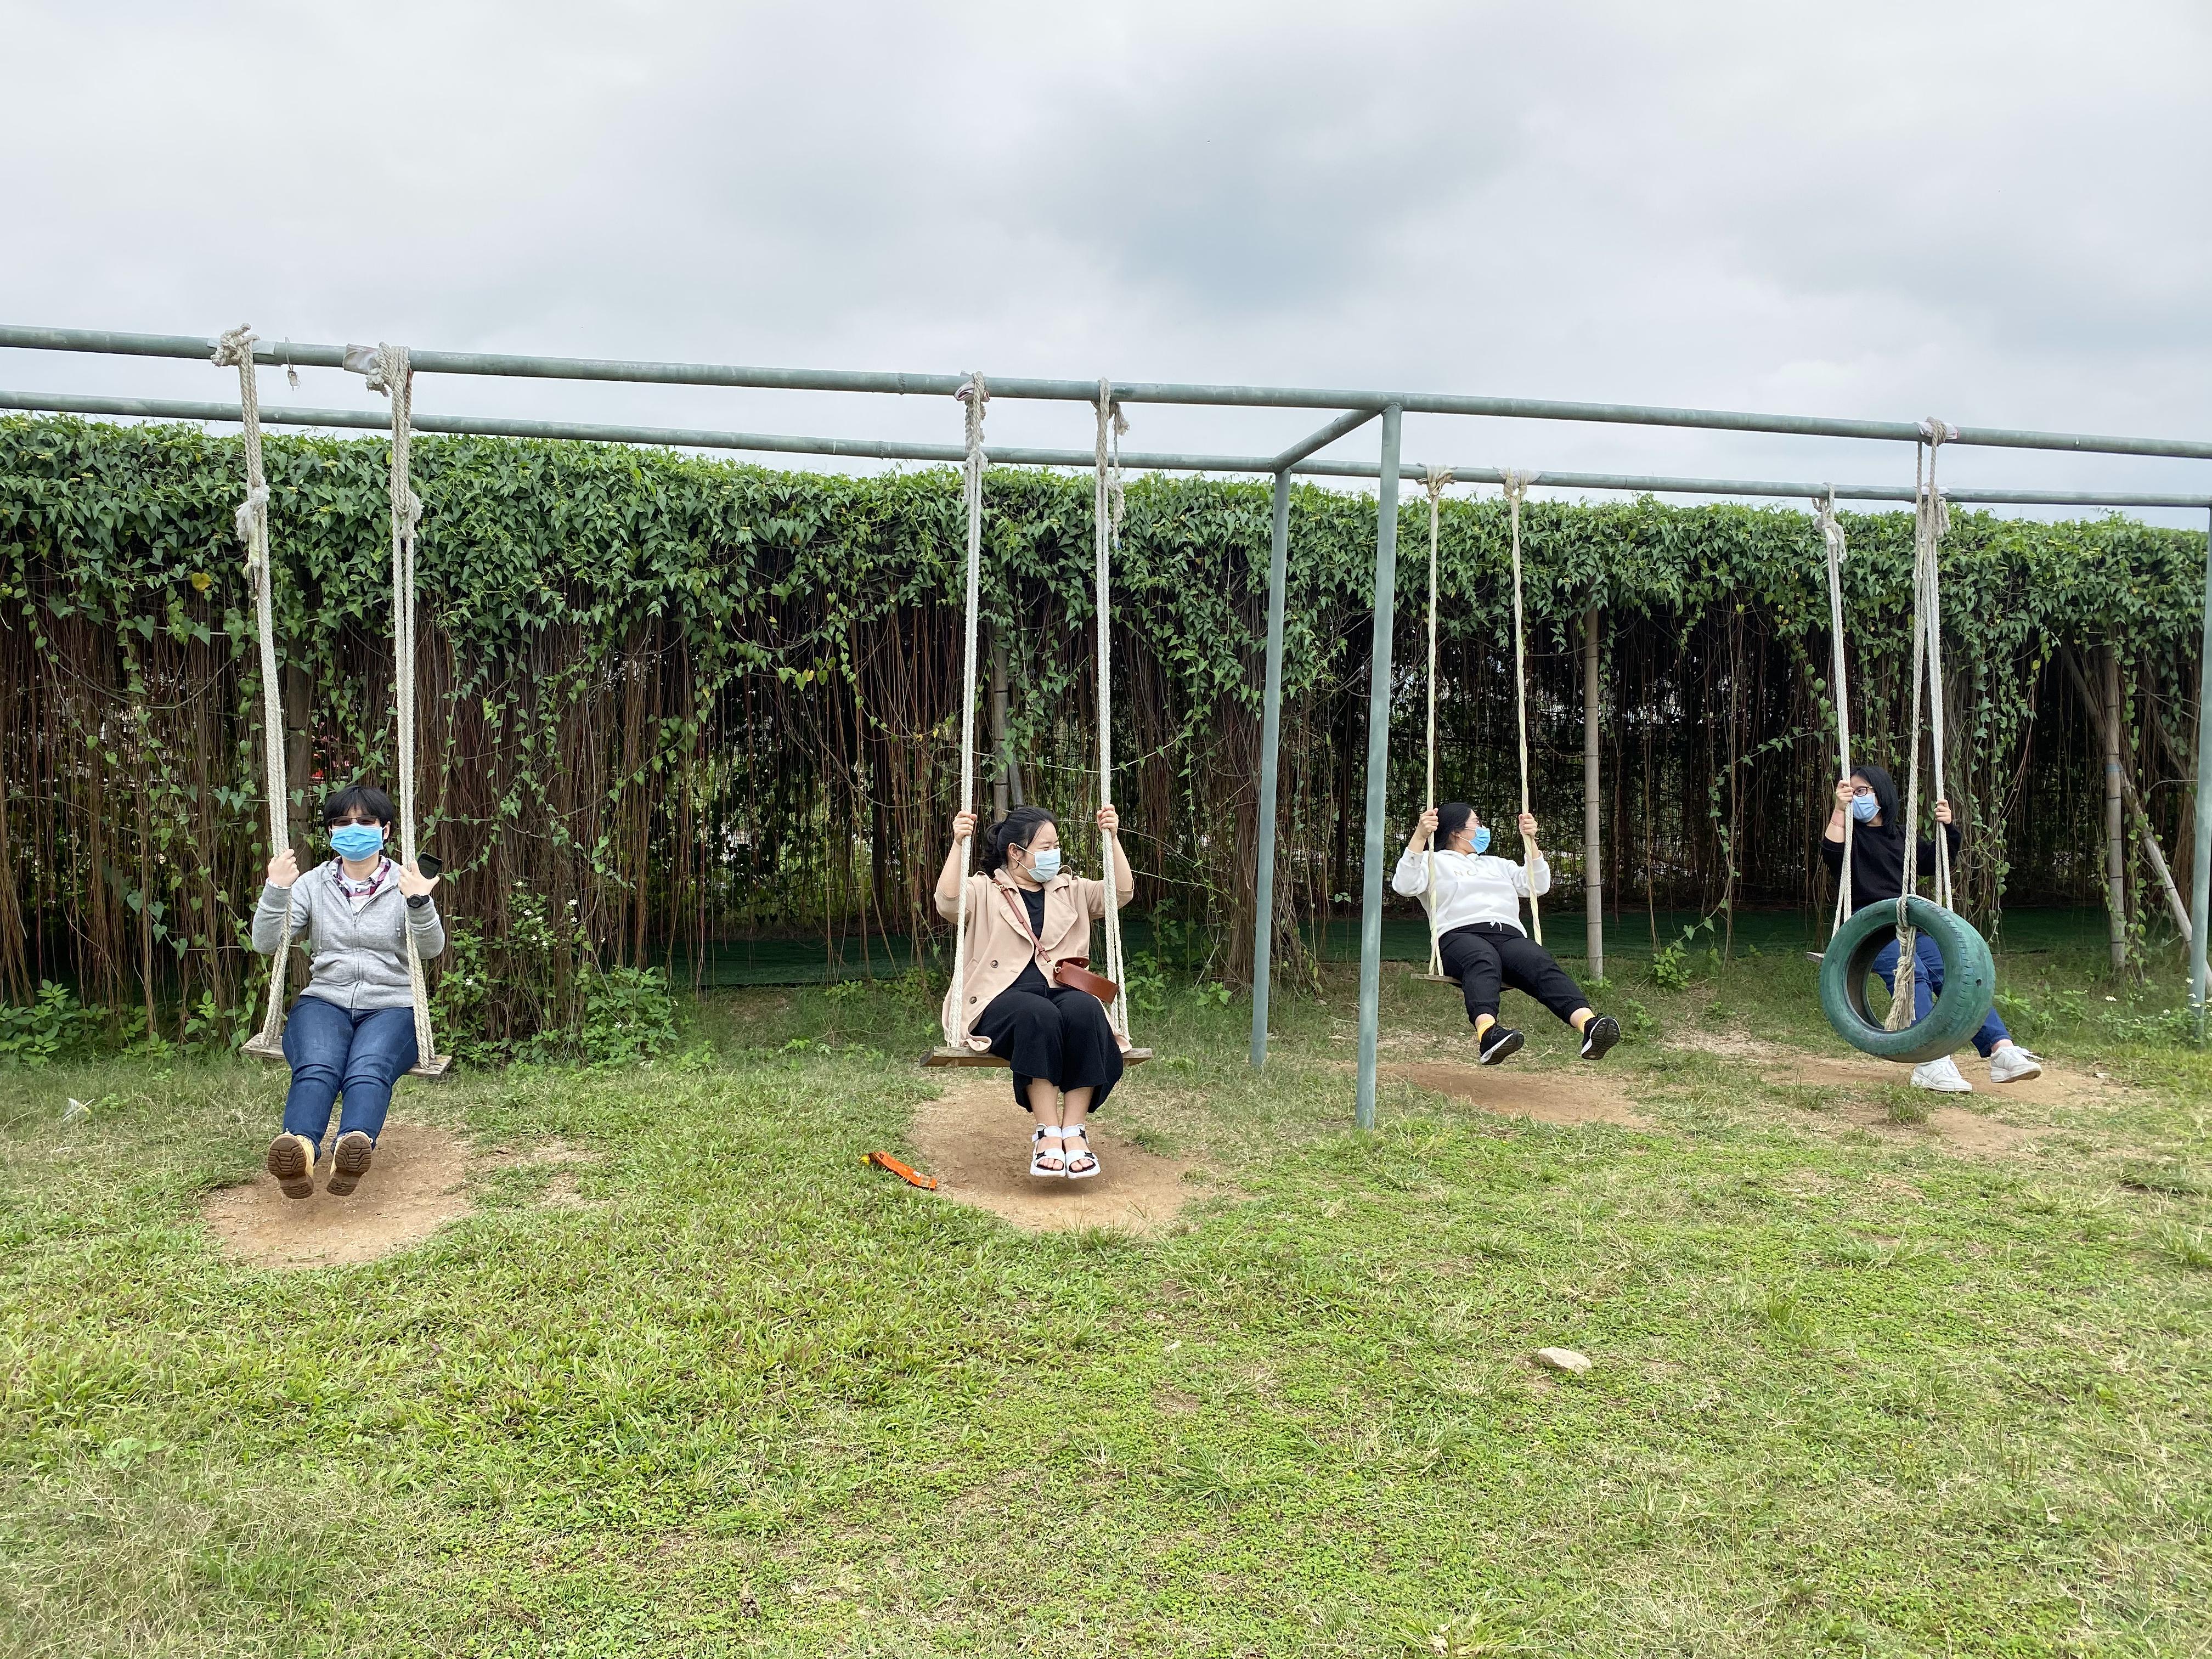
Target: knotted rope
point(973, 394)
point(236, 349)
point(1931, 519)
point(1516, 488)
point(1438, 480)
point(1832, 535)
point(387, 370)
point(1110, 502)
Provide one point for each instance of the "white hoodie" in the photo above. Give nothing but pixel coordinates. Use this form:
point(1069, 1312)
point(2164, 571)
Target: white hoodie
point(1471, 887)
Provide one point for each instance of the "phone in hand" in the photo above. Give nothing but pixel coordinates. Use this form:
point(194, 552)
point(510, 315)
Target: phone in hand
point(428, 863)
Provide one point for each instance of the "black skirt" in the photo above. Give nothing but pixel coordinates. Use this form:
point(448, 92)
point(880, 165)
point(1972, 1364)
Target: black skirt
point(1055, 1032)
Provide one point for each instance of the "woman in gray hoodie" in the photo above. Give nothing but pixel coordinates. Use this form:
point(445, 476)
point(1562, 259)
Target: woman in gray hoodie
point(352, 1031)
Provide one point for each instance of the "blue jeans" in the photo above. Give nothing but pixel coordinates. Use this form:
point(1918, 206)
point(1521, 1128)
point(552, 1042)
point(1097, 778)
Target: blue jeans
point(1930, 980)
point(335, 1051)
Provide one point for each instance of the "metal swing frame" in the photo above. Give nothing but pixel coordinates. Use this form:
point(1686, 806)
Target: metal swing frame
point(1354, 409)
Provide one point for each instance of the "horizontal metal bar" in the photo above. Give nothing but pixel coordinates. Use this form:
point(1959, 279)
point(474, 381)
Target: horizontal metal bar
point(498, 426)
point(159, 409)
point(1321, 439)
point(1644, 485)
point(1254, 397)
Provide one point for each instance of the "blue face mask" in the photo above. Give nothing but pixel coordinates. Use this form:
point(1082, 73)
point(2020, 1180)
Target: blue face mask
point(357, 841)
point(1863, 808)
point(1481, 842)
point(1045, 865)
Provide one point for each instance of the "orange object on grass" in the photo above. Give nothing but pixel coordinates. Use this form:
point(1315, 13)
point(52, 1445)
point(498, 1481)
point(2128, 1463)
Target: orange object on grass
point(912, 1177)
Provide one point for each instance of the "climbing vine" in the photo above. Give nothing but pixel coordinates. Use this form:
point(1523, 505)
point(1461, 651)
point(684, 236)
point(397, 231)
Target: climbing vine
point(670, 702)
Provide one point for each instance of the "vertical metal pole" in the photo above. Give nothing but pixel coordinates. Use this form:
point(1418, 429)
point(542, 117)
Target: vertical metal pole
point(1271, 733)
point(1593, 852)
point(1378, 762)
point(2200, 866)
point(2115, 838)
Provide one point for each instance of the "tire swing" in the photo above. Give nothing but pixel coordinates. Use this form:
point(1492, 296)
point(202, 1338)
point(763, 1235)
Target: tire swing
point(1516, 489)
point(1969, 973)
point(386, 369)
point(1108, 502)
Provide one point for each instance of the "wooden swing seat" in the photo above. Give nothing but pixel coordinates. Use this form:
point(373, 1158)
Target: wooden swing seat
point(960, 1055)
point(433, 1069)
point(1436, 979)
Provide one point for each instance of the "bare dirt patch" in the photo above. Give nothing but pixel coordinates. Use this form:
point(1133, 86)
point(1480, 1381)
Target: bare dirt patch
point(2059, 1086)
point(1588, 1096)
point(975, 1141)
point(416, 1184)
point(1857, 1078)
point(414, 1187)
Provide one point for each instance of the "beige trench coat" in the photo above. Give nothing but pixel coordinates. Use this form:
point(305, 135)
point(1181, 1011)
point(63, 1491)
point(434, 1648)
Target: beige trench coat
point(999, 945)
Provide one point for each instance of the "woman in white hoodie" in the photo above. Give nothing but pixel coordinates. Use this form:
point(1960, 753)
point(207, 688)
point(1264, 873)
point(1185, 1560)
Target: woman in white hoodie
point(1476, 910)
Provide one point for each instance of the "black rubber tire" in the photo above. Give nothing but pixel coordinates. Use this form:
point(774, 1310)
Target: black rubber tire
point(1970, 983)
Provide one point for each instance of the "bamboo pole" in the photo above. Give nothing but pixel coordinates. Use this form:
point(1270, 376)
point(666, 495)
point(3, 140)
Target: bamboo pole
point(2152, 852)
point(1593, 851)
point(2116, 843)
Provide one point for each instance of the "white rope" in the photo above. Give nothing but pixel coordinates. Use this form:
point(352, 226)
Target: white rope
point(387, 370)
point(1109, 503)
point(1931, 518)
point(973, 395)
point(236, 349)
point(1832, 535)
point(1516, 488)
point(1438, 481)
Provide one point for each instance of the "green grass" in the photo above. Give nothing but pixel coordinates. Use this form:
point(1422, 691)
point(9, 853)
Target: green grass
point(1853, 1394)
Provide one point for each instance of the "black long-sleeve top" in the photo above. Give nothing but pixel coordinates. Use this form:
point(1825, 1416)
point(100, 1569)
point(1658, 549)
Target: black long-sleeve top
point(1877, 860)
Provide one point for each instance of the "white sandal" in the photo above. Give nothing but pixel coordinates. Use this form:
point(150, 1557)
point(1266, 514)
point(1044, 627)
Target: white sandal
point(1079, 1152)
point(1038, 1153)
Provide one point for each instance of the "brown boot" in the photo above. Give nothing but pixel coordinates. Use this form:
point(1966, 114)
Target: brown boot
point(349, 1163)
point(292, 1160)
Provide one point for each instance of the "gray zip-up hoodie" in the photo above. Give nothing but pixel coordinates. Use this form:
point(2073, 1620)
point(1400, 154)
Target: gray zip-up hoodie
point(359, 958)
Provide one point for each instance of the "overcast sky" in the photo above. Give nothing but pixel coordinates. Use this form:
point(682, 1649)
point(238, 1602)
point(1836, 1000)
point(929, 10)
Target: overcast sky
point(1997, 213)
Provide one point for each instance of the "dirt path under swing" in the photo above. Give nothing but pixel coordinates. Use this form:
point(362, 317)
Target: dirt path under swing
point(417, 1183)
point(1586, 1095)
point(975, 1141)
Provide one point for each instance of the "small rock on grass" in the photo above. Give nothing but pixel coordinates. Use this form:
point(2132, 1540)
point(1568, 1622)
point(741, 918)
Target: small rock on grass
point(1564, 1359)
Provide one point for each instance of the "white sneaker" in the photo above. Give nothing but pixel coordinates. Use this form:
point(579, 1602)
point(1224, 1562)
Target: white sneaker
point(2011, 1063)
point(1942, 1076)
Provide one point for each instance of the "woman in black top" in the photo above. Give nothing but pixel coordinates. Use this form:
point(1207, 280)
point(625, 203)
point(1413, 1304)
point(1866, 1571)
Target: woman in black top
point(1869, 799)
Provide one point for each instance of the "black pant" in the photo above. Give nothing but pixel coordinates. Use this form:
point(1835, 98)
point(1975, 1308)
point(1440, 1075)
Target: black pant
point(1055, 1032)
point(1482, 954)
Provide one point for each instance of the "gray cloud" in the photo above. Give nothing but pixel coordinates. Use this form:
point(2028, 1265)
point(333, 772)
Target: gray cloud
point(1997, 212)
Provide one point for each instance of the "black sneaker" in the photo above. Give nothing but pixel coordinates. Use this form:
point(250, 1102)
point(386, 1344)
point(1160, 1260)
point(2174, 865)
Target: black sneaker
point(1499, 1042)
point(1600, 1035)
